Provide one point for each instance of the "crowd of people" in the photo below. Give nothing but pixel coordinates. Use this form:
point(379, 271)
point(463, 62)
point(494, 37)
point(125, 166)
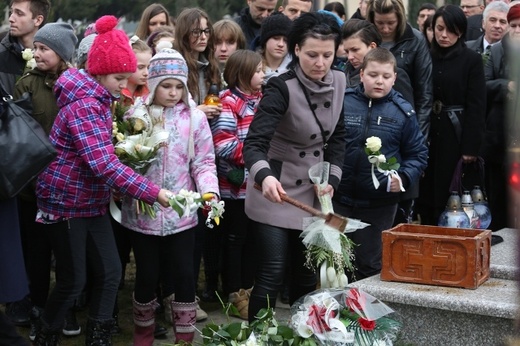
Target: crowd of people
point(297, 86)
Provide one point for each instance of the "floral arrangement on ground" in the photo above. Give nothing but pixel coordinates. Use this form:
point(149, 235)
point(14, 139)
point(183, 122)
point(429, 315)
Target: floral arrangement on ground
point(325, 317)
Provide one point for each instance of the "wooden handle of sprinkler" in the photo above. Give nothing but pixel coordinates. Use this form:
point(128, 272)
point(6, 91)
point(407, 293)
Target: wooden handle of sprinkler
point(298, 204)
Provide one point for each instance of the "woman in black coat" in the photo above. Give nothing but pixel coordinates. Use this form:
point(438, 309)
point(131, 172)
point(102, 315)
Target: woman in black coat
point(457, 119)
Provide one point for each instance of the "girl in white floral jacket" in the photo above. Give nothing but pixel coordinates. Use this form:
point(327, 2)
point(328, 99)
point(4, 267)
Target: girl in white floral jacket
point(166, 243)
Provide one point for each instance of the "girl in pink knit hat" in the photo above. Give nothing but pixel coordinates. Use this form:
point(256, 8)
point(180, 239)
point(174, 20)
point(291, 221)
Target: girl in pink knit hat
point(75, 188)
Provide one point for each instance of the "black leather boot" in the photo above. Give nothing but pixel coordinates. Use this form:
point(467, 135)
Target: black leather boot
point(98, 332)
point(45, 337)
point(116, 329)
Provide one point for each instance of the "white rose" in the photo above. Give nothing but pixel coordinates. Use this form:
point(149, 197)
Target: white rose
point(373, 143)
point(27, 54)
point(31, 64)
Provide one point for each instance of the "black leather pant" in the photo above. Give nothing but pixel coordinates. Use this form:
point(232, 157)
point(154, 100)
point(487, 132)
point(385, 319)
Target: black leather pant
point(275, 248)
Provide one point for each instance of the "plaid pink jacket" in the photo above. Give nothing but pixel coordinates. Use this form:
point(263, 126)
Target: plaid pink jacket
point(77, 183)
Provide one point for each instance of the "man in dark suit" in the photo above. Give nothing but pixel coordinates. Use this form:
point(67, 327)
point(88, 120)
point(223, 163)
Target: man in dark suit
point(473, 10)
point(495, 26)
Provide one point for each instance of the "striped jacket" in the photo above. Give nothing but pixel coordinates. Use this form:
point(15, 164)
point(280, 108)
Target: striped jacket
point(229, 131)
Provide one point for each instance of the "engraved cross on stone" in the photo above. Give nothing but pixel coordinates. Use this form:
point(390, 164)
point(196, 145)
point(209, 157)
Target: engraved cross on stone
point(434, 259)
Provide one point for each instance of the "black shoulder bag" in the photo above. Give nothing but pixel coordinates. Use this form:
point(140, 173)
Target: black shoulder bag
point(26, 149)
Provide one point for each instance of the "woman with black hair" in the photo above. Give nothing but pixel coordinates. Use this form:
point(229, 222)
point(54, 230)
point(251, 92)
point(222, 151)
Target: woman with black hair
point(457, 119)
point(288, 135)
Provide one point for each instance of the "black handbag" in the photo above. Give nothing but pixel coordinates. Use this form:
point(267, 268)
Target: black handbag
point(466, 176)
point(26, 149)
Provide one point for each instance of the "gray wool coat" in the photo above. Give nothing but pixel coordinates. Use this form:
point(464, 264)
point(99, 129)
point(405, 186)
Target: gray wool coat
point(285, 140)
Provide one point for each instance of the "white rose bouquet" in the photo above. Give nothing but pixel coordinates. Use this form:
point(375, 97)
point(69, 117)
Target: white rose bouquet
point(137, 142)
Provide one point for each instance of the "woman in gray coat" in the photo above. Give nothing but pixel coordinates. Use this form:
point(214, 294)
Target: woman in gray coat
point(298, 123)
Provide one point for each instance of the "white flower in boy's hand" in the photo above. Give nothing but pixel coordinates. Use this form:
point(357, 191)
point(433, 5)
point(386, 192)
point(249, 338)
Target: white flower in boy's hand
point(377, 159)
point(387, 167)
point(373, 144)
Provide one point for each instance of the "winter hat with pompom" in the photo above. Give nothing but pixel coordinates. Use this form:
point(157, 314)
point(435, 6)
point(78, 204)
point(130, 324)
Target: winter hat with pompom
point(167, 63)
point(111, 52)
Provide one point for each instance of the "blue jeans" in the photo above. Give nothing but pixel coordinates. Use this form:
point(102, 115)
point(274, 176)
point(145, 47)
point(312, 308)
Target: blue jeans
point(79, 245)
point(368, 240)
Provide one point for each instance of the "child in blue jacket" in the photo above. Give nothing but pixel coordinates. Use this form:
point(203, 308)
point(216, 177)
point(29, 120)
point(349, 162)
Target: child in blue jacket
point(374, 109)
